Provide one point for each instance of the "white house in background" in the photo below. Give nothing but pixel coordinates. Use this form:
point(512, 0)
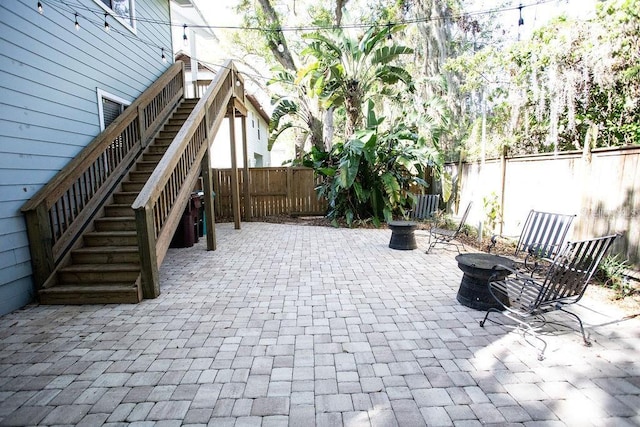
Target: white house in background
point(257, 123)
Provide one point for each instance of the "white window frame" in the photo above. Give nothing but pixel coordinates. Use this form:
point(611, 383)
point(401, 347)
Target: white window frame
point(102, 94)
point(131, 26)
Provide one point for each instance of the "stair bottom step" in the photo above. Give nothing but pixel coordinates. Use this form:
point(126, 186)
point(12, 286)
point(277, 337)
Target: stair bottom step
point(126, 293)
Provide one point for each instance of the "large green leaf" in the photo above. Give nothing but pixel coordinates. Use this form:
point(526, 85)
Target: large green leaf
point(391, 74)
point(447, 186)
point(283, 107)
point(391, 187)
point(386, 54)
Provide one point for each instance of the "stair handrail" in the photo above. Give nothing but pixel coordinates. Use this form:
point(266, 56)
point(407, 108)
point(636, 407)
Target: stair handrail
point(58, 213)
point(161, 202)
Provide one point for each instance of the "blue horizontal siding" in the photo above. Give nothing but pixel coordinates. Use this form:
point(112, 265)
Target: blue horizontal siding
point(49, 76)
point(15, 294)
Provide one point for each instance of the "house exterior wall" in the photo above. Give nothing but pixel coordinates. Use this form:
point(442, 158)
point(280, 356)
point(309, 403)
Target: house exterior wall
point(257, 138)
point(49, 77)
point(257, 142)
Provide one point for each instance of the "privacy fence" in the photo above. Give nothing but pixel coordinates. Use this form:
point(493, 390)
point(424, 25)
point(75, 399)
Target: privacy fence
point(602, 189)
point(272, 191)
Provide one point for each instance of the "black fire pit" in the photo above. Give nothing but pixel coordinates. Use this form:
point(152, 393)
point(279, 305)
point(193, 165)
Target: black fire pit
point(477, 269)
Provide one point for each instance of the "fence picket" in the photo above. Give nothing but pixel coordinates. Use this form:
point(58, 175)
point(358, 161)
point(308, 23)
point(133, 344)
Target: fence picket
point(273, 191)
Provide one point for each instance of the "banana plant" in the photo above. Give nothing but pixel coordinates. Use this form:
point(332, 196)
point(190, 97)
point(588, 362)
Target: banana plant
point(346, 72)
point(370, 176)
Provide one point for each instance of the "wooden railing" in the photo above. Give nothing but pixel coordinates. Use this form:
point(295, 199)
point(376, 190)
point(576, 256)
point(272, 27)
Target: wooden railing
point(58, 213)
point(161, 202)
point(272, 191)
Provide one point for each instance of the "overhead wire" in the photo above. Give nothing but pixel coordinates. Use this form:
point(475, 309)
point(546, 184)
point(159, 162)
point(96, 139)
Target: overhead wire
point(73, 8)
point(417, 20)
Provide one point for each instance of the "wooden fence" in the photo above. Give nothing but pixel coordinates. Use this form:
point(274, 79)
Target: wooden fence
point(602, 189)
point(273, 191)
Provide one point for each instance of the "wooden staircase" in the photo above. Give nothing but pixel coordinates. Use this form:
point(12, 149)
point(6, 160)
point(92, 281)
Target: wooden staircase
point(106, 267)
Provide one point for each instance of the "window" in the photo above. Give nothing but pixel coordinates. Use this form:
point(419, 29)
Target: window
point(258, 131)
point(109, 108)
point(122, 10)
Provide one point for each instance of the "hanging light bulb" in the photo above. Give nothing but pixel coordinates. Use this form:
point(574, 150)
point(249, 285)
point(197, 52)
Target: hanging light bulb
point(164, 58)
point(40, 10)
point(185, 40)
point(106, 24)
point(77, 24)
point(520, 21)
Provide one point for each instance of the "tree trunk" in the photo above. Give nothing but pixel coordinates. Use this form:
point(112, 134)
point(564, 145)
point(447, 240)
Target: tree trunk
point(328, 129)
point(282, 55)
point(340, 4)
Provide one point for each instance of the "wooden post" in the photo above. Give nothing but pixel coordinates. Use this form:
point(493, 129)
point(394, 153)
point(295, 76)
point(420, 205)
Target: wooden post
point(40, 244)
point(142, 128)
point(209, 210)
point(503, 165)
point(147, 248)
point(289, 189)
point(245, 172)
point(235, 189)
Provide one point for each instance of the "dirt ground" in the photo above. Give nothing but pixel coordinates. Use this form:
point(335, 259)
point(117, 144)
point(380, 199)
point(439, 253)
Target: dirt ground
point(630, 304)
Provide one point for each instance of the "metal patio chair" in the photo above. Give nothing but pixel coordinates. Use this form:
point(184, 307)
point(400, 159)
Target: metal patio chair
point(541, 238)
point(426, 206)
point(443, 236)
point(525, 299)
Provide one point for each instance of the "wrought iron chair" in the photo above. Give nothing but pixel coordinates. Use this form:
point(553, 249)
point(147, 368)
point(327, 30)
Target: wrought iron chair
point(446, 237)
point(426, 206)
point(541, 238)
point(528, 298)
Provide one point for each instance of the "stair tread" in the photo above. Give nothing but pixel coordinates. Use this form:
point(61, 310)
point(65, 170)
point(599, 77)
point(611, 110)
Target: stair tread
point(109, 249)
point(112, 293)
point(103, 287)
point(101, 267)
point(111, 233)
point(116, 218)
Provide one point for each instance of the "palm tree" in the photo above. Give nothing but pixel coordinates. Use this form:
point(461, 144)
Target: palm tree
point(346, 72)
point(296, 111)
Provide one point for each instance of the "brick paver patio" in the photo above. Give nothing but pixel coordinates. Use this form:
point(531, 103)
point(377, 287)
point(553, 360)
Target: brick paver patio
point(299, 325)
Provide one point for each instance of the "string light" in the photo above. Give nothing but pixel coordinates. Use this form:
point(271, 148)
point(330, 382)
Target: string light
point(164, 58)
point(280, 46)
point(185, 41)
point(77, 24)
point(520, 21)
point(326, 27)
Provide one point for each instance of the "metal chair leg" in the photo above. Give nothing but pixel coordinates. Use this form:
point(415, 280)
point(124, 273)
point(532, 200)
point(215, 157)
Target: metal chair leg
point(584, 336)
